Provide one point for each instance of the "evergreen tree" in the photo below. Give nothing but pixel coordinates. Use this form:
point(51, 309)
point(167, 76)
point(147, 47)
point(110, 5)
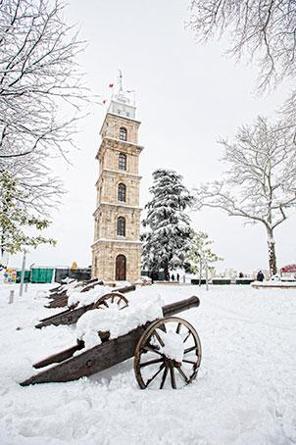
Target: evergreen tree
point(14, 218)
point(168, 232)
point(201, 252)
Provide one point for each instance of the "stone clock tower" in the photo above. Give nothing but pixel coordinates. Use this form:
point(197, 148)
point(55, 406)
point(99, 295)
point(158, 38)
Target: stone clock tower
point(116, 251)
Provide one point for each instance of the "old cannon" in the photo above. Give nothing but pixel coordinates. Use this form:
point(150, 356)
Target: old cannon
point(72, 314)
point(59, 296)
point(166, 350)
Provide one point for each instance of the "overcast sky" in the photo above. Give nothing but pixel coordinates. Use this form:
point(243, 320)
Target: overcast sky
point(188, 96)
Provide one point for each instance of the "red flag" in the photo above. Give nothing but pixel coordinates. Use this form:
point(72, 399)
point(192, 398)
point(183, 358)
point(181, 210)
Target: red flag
point(111, 85)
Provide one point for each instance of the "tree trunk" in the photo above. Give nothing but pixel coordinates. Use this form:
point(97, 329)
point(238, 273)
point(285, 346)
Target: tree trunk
point(2, 243)
point(271, 253)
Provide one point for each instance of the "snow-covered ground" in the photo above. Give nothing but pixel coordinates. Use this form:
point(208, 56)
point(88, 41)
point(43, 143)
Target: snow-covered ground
point(245, 393)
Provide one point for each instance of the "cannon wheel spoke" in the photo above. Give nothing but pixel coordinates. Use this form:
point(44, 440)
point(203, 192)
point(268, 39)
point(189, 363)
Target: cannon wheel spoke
point(181, 372)
point(188, 361)
point(179, 325)
point(151, 364)
point(187, 336)
point(150, 348)
point(173, 378)
point(162, 327)
point(112, 297)
point(154, 375)
point(164, 375)
point(160, 341)
point(193, 348)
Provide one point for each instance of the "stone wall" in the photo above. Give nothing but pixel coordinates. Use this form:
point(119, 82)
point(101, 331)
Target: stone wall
point(104, 260)
point(108, 189)
point(106, 223)
point(112, 124)
point(109, 153)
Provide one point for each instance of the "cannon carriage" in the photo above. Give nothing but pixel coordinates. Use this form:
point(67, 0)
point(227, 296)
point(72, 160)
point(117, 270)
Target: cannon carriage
point(166, 351)
point(73, 313)
point(58, 296)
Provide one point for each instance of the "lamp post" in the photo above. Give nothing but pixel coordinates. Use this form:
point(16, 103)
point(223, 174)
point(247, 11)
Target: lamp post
point(23, 273)
point(200, 269)
point(203, 260)
point(207, 274)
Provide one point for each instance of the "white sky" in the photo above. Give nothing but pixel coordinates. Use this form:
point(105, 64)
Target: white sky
point(188, 96)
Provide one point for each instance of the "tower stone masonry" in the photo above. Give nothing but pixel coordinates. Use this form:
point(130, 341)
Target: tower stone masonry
point(116, 251)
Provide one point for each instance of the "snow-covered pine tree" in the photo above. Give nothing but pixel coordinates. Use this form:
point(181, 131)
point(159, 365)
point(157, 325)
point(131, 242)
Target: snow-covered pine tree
point(168, 232)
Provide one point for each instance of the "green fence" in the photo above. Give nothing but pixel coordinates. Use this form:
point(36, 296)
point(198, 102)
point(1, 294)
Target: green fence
point(26, 277)
point(41, 275)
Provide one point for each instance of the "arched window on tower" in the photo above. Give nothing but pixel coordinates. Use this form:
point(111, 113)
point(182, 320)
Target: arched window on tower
point(122, 161)
point(121, 226)
point(123, 134)
point(121, 192)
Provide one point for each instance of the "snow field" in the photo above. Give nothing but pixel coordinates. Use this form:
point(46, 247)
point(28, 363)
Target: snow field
point(244, 393)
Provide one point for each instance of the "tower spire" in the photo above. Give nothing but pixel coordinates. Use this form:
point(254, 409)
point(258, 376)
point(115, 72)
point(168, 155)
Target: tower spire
point(120, 87)
point(121, 103)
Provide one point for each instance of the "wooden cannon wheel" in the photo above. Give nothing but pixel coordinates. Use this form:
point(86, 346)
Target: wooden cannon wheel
point(155, 364)
point(112, 297)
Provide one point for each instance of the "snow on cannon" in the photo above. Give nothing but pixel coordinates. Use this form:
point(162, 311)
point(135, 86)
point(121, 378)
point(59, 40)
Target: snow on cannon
point(96, 299)
point(166, 349)
point(59, 297)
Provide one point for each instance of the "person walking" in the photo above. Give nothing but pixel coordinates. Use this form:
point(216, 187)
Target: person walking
point(260, 276)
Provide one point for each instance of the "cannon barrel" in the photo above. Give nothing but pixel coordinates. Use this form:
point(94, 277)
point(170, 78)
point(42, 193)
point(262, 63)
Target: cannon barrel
point(124, 289)
point(179, 306)
point(102, 356)
point(91, 285)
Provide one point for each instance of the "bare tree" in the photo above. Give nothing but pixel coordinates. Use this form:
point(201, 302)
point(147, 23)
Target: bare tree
point(201, 253)
point(262, 29)
point(41, 88)
point(260, 185)
point(38, 189)
point(41, 98)
point(16, 219)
